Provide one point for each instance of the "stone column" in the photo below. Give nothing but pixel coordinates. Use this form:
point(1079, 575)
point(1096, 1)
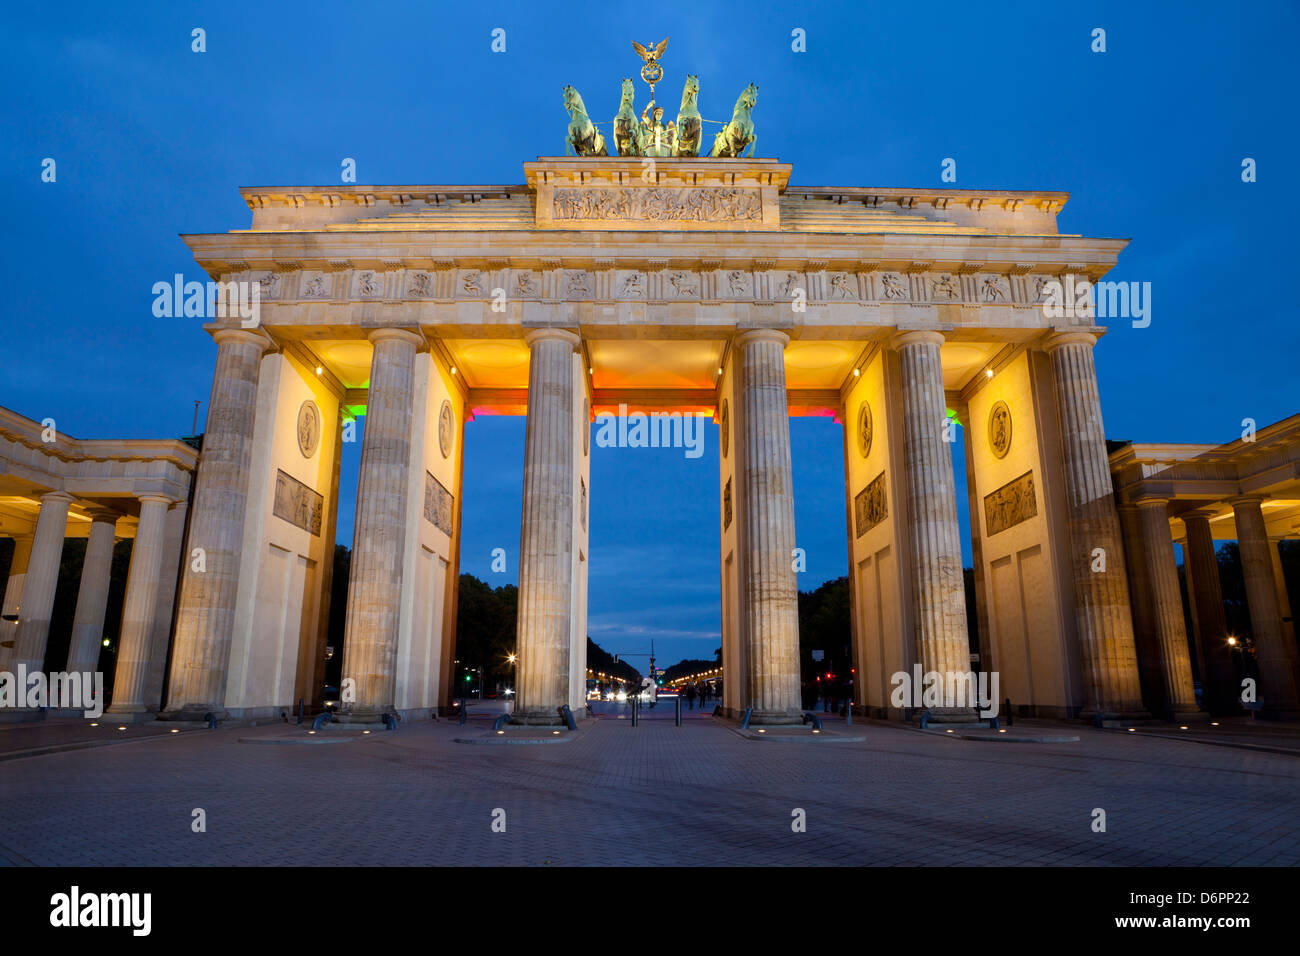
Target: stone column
point(92, 597)
point(1102, 614)
point(13, 598)
point(135, 642)
point(1276, 656)
point(168, 580)
point(1283, 599)
point(205, 620)
point(1167, 603)
point(939, 597)
point(1146, 639)
point(379, 533)
point(546, 534)
point(42, 579)
point(771, 594)
point(1219, 688)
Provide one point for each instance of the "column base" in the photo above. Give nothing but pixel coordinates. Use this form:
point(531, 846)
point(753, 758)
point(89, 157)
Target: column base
point(952, 716)
point(770, 718)
point(131, 715)
point(539, 718)
point(369, 717)
point(126, 710)
point(1116, 718)
point(191, 713)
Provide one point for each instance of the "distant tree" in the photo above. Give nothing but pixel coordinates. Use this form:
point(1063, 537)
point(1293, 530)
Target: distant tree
point(338, 612)
point(600, 660)
point(825, 625)
point(485, 627)
point(1233, 583)
point(687, 668)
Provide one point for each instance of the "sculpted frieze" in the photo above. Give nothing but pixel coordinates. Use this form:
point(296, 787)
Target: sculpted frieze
point(658, 205)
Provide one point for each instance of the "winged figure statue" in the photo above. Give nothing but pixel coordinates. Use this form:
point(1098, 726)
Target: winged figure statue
point(651, 55)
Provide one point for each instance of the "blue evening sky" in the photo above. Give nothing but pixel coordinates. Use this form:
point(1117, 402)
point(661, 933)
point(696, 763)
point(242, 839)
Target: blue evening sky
point(152, 140)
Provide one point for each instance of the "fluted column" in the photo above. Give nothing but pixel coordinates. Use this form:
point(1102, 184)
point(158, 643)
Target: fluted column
point(168, 578)
point(546, 533)
point(42, 579)
point(135, 643)
point(13, 598)
point(1279, 588)
point(939, 598)
point(379, 534)
point(1219, 690)
point(205, 620)
point(1102, 614)
point(1167, 604)
point(771, 596)
point(92, 596)
point(1276, 656)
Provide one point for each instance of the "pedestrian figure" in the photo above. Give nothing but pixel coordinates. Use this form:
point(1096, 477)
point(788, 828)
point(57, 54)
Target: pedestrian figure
point(690, 696)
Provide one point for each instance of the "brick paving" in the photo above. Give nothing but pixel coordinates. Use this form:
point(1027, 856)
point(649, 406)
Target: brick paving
point(698, 794)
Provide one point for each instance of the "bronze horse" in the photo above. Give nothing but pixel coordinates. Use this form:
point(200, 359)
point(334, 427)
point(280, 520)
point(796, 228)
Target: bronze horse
point(739, 133)
point(627, 130)
point(583, 138)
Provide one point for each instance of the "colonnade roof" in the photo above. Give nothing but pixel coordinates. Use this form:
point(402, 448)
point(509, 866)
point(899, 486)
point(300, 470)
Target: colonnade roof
point(1263, 462)
point(108, 475)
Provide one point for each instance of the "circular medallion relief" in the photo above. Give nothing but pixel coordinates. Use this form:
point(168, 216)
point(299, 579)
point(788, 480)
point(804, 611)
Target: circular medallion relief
point(1000, 429)
point(308, 428)
point(445, 432)
point(724, 427)
point(864, 429)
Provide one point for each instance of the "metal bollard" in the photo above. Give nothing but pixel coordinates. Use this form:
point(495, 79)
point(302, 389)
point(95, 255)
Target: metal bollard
point(1010, 719)
point(300, 710)
point(848, 714)
point(464, 712)
point(677, 717)
point(634, 711)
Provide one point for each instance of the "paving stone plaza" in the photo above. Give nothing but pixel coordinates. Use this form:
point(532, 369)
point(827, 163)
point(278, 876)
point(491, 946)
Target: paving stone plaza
point(652, 795)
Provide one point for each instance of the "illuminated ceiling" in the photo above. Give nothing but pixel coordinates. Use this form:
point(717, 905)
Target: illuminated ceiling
point(647, 365)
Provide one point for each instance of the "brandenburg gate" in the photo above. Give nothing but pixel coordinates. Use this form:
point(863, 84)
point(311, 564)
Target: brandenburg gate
point(703, 284)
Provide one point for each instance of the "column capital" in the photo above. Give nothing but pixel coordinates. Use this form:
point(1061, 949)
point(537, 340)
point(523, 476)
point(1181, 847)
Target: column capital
point(164, 499)
point(55, 496)
point(1245, 501)
point(1200, 514)
point(762, 335)
point(1058, 340)
point(402, 335)
point(563, 335)
point(243, 337)
point(1152, 501)
point(103, 515)
point(917, 337)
